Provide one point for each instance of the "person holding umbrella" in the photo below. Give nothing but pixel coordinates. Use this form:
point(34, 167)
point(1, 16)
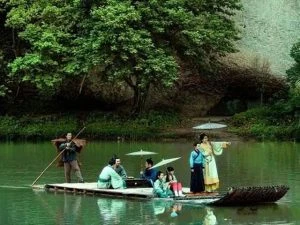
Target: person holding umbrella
point(196, 165)
point(141, 153)
point(149, 173)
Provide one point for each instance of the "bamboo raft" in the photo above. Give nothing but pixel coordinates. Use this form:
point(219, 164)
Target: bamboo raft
point(234, 196)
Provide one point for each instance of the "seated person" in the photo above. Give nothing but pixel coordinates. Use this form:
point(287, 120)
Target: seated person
point(120, 169)
point(161, 188)
point(109, 178)
point(149, 173)
point(175, 186)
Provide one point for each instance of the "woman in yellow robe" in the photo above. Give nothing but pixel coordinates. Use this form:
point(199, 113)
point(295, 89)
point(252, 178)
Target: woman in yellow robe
point(209, 150)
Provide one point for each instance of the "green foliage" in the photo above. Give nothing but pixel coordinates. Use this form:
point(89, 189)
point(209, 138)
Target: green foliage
point(159, 120)
point(3, 78)
point(8, 126)
point(48, 30)
point(140, 43)
point(146, 125)
point(43, 127)
point(278, 121)
point(98, 125)
point(293, 74)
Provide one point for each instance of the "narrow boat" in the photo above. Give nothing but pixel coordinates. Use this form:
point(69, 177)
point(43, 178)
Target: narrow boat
point(138, 190)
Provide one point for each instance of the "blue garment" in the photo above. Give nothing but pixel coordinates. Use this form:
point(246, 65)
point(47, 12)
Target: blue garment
point(196, 157)
point(150, 174)
point(196, 163)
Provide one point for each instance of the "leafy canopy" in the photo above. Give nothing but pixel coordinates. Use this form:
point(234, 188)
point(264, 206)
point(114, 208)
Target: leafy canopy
point(141, 43)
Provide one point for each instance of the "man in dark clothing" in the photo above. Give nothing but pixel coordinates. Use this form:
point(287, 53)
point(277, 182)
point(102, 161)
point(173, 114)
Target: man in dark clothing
point(149, 173)
point(69, 158)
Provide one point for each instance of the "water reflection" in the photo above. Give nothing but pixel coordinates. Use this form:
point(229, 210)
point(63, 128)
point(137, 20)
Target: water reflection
point(176, 208)
point(70, 211)
point(168, 208)
point(159, 207)
point(111, 210)
point(75, 209)
point(210, 218)
point(177, 213)
point(170, 211)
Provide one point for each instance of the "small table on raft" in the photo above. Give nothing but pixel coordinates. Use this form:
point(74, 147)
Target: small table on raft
point(132, 182)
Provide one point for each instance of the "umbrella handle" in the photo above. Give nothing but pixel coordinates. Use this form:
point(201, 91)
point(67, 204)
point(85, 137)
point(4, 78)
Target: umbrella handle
point(141, 171)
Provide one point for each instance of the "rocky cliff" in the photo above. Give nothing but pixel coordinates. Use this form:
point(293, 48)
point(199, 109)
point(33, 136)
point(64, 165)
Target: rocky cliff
point(269, 29)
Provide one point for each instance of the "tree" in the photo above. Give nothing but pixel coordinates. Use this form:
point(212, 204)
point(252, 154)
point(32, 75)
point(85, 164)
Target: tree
point(140, 43)
point(293, 74)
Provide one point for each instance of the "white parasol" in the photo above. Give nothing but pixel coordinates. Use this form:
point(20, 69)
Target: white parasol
point(141, 153)
point(165, 161)
point(209, 126)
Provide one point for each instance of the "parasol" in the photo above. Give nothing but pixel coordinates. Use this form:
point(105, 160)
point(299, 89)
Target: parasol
point(141, 153)
point(209, 126)
point(165, 161)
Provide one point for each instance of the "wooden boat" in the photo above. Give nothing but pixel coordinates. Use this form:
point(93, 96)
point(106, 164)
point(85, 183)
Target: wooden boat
point(139, 190)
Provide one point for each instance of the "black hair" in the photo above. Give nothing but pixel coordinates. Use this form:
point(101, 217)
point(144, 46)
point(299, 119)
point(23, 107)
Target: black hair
point(149, 161)
point(201, 137)
point(158, 174)
point(170, 168)
point(112, 161)
point(195, 143)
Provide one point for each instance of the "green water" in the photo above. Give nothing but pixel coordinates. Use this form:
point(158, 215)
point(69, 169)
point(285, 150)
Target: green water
point(244, 163)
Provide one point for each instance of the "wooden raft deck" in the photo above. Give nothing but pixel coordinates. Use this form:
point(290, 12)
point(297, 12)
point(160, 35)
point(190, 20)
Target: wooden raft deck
point(91, 189)
point(129, 193)
point(235, 196)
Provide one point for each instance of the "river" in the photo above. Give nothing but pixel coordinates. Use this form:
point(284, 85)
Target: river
point(244, 163)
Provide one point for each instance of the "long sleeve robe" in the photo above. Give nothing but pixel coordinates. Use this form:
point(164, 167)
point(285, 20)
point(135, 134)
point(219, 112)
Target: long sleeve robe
point(211, 178)
point(109, 178)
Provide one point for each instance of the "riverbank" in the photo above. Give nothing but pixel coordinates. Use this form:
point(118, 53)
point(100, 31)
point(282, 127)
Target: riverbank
point(165, 126)
point(105, 126)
